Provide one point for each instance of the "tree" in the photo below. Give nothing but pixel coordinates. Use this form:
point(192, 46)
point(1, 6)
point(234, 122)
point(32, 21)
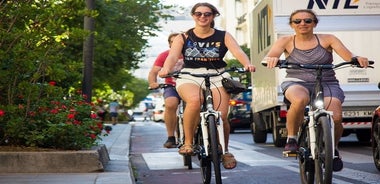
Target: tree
point(42, 49)
point(246, 78)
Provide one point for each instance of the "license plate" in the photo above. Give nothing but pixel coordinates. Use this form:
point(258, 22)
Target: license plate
point(357, 113)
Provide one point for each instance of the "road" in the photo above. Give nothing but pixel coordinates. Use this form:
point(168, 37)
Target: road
point(257, 163)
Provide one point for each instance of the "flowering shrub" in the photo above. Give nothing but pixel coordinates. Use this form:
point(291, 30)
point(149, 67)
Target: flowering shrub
point(53, 121)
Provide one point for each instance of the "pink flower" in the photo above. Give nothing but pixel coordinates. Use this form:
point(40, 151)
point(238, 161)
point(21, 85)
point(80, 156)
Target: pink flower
point(93, 116)
point(54, 111)
point(70, 116)
point(93, 136)
point(52, 83)
point(2, 113)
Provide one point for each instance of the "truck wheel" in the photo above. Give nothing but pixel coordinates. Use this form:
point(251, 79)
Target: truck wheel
point(258, 129)
point(363, 135)
point(376, 142)
point(278, 140)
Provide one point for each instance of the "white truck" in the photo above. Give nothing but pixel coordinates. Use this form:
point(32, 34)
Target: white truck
point(355, 22)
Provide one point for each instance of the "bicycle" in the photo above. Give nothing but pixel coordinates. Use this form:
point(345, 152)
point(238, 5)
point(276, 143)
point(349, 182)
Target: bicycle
point(179, 133)
point(209, 136)
point(316, 134)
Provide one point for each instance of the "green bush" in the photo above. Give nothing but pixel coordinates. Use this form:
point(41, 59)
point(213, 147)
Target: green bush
point(53, 120)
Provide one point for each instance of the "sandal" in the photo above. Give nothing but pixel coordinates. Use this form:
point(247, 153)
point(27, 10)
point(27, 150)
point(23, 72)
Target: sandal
point(186, 149)
point(229, 161)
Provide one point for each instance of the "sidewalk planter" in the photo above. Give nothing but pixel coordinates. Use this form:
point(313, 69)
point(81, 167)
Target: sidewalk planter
point(66, 161)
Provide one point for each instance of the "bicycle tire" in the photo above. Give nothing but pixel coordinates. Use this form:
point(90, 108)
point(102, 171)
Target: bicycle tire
point(324, 151)
point(306, 163)
point(180, 140)
point(204, 162)
point(187, 161)
point(214, 145)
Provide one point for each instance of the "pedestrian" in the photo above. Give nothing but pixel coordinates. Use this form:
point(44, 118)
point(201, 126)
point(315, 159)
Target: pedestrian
point(306, 47)
point(203, 48)
point(114, 107)
point(171, 97)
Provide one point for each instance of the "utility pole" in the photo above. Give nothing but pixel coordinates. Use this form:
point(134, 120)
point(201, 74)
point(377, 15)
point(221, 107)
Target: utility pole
point(88, 51)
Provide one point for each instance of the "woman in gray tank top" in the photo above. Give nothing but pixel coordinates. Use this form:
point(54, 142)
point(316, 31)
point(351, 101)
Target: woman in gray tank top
point(308, 48)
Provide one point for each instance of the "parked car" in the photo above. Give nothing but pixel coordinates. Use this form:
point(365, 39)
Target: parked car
point(158, 112)
point(240, 114)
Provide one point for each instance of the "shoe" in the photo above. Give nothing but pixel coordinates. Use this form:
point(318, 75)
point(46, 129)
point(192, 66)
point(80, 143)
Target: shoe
point(186, 150)
point(170, 143)
point(228, 161)
point(337, 162)
point(291, 146)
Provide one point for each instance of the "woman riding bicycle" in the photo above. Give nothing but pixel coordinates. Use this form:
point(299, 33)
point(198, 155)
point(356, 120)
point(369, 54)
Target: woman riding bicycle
point(203, 49)
point(308, 48)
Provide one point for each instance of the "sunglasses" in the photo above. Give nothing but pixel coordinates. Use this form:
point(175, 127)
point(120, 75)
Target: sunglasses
point(307, 21)
point(206, 14)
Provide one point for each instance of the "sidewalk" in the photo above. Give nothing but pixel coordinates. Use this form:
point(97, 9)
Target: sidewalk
point(117, 171)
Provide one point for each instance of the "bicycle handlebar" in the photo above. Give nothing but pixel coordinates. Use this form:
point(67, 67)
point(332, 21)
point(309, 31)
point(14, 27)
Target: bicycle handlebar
point(286, 64)
point(176, 74)
point(161, 86)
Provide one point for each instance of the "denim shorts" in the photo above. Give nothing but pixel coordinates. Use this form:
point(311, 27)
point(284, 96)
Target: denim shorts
point(170, 92)
point(330, 89)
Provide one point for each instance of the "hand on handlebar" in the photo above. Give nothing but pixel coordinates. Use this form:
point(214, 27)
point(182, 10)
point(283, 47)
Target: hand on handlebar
point(250, 68)
point(363, 61)
point(153, 85)
point(163, 73)
point(270, 62)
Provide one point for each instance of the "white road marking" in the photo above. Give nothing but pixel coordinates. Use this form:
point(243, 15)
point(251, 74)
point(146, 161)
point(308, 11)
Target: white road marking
point(165, 161)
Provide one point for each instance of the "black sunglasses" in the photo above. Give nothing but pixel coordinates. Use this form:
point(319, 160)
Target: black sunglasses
point(307, 21)
point(199, 14)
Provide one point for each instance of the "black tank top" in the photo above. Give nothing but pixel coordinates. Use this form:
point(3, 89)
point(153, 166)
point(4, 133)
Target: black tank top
point(204, 52)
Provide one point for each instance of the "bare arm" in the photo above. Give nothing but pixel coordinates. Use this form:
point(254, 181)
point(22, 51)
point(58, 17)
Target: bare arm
point(238, 53)
point(343, 51)
point(152, 76)
point(276, 50)
point(174, 54)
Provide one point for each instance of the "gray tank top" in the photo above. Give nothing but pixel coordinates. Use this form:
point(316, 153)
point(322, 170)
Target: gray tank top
point(316, 55)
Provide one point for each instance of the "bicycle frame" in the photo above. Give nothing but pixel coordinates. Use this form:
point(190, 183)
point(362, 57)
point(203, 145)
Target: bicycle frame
point(209, 111)
point(317, 109)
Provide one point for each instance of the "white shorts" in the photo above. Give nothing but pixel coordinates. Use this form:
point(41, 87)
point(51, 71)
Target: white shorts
point(215, 81)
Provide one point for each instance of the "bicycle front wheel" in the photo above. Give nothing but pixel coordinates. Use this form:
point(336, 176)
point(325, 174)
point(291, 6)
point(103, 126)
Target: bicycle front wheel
point(306, 163)
point(324, 151)
point(204, 161)
point(214, 145)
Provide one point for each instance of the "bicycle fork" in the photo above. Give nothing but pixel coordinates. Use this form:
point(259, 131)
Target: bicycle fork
point(219, 126)
point(312, 131)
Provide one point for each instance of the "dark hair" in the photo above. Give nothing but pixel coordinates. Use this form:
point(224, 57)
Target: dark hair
point(311, 12)
point(172, 35)
point(214, 11)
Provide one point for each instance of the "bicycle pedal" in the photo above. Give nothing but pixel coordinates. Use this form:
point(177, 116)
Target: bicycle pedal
point(289, 154)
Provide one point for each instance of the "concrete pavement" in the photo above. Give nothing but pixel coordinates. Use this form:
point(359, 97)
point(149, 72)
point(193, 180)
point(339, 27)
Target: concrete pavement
point(117, 171)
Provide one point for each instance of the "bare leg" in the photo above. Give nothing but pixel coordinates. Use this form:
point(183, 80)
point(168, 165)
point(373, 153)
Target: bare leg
point(170, 116)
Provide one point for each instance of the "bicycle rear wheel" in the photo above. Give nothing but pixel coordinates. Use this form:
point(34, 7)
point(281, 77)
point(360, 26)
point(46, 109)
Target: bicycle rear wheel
point(324, 151)
point(214, 145)
point(180, 140)
point(204, 162)
point(306, 163)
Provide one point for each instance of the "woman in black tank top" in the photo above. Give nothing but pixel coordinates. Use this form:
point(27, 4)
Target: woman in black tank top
point(203, 49)
point(307, 47)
